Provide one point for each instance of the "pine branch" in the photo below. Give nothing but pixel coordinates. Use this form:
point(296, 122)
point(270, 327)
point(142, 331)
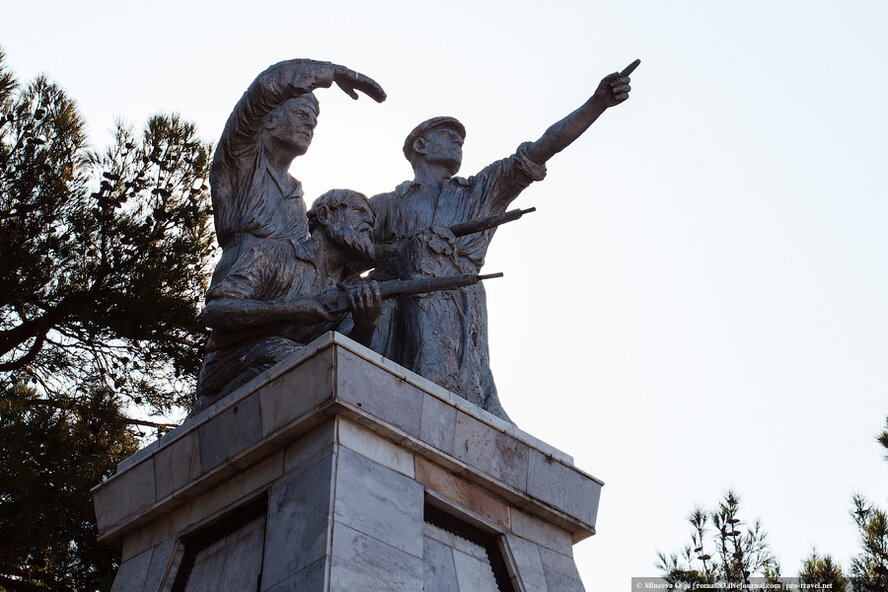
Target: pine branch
point(150, 424)
point(29, 357)
point(70, 406)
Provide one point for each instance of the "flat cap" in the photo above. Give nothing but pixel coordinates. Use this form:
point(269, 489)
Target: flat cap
point(430, 124)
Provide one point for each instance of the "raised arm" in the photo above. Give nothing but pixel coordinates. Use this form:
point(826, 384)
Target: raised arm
point(612, 90)
point(284, 81)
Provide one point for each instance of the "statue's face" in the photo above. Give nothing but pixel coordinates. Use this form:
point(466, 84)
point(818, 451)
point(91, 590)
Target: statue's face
point(442, 146)
point(292, 125)
point(352, 227)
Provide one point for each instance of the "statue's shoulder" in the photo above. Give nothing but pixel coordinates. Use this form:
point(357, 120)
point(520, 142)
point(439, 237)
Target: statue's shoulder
point(400, 191)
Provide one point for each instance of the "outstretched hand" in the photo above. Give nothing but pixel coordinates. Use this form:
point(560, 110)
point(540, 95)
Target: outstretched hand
point(350, 82)
point(304, 75)
point(614, 88)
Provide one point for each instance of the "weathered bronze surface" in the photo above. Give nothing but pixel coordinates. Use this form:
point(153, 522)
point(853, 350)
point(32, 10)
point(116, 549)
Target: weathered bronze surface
point(443, 336)
point(260, 303)
point(287, 275)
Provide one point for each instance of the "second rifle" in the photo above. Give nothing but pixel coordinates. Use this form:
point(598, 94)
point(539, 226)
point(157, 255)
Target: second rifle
point(336, 300)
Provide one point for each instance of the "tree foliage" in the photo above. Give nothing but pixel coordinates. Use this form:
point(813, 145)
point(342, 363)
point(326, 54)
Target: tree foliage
point(101, 284)
point(822, 571)
point(869, 569)
point(49, 461)
point(724, 553)
point(103, 263)
point(883, 437)
point(738, 555)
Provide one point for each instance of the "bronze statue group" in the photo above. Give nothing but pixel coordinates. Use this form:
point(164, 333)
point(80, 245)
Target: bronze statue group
point(287, 274)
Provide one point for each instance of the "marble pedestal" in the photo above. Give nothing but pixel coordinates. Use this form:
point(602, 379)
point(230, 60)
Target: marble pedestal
point(339, 470)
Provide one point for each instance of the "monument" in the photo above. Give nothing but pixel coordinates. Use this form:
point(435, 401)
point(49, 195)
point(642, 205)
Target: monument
point(312, 462)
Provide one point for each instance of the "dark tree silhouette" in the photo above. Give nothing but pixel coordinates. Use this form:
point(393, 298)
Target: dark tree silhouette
point(869, 569)
point(883, 437)
point(104, 284)
point(726, 553)
point(823, 572)
point(103, 264)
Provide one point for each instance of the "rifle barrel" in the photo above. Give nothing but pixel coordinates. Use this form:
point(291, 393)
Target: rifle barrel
point(336, 300)
point(473, 226)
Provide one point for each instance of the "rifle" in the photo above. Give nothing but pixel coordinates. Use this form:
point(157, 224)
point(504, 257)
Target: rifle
point(480, 224)
point(384, 250)
point(336, 300)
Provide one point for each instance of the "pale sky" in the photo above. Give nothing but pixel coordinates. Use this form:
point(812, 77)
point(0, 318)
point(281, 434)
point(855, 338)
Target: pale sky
point(698, 303)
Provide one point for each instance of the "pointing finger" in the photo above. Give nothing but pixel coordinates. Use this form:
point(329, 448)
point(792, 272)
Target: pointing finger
point(630, 68)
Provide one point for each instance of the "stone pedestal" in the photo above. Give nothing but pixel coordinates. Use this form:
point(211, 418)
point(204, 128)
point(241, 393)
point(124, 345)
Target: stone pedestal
point(338, 470)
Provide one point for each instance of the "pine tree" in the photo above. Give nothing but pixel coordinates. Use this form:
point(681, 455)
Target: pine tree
point(102, 284)
point(729, 555)
point(822, 571)
point(869, 569)
point(49, 461)
point(883, 437)
point(103, 264)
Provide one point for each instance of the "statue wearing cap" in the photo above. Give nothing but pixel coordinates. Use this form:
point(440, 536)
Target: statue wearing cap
point(443, 336)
